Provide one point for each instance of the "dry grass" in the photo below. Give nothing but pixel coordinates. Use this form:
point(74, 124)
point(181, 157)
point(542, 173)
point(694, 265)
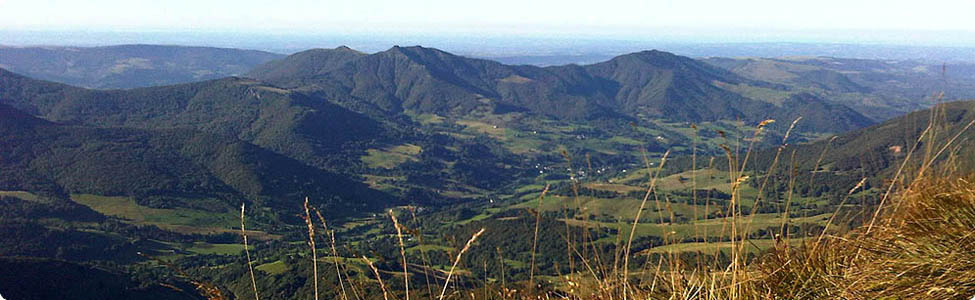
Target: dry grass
point(250, 264)
point(311, 244)
point(335, 256)
point(636, 220)
point(457, 260)
point(922, 250)
point(917, 244)
point(918, 248)
point(538, 219)
point(402, 252)
point(925, 247)
point(375, 271)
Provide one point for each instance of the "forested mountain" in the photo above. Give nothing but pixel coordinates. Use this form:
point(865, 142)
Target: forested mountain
point(130, 66)
point(339, 110)
point(665, 85)
point(289, 123)
point(650, 84)
point(165, 168)
point(877, 152)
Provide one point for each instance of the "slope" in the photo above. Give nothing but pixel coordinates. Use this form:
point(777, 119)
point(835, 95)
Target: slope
point(293, 124)
point(833, 165)
point(33, 278)
point(165, 168)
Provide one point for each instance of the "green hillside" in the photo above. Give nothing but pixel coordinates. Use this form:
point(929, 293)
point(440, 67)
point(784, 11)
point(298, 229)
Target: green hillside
point(165, 168)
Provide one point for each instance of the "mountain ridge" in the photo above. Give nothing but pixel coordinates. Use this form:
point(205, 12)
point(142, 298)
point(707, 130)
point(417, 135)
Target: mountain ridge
point(130, 66)
point(653, 84)
point(283, 121)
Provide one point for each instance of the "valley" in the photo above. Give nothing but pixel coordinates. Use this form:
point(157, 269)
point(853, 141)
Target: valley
point(555, 163)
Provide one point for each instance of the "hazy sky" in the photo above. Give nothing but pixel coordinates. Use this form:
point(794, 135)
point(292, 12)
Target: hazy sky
point(529, 17)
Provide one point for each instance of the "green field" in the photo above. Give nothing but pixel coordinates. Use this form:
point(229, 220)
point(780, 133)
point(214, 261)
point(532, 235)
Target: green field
point(385, 183)
point(217, 249)
point(703, 228)
point(426, 248)
point(751, 246)
point(22, 195)
point(773, 96)
point(619, 188)
point(617, 208)
point(180, 219)
point(391, 157)
point(702, 179)
point(273, 268)
point(425, 119)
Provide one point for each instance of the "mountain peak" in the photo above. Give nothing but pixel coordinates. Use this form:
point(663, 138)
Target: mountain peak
point(305, 63)
point(345, 50)
point(431, 57)
point(656, 52)
point(417, 49)
point(653, 57)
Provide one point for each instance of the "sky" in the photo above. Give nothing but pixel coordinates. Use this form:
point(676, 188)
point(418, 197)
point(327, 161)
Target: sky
point(901, 22)
point(614, 17)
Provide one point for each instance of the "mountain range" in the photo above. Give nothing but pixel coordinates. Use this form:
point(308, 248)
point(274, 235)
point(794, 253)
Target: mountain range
point(130, 66)
point(328, 115)
point(879, 89)
point(649, 84)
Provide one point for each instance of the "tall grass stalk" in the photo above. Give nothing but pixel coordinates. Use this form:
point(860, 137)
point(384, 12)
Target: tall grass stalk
point(897, 175)
point(402, 252)
point(931, 160)
point(423, 255)
point(565, 215)
point(694, 178)
point(815, 169)
point(457, 260)
point(768, 174)
point(311, 243)
point(783, 233)
point(250, 264)
point(504, 287)
point(382, 285)
point(345, 271)
point(538, 220)
point(636, 220)
point(335, 256)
